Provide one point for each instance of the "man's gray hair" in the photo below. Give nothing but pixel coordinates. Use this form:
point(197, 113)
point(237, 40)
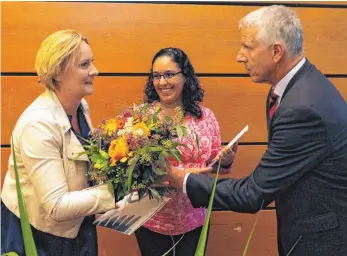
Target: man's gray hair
point(276, 23)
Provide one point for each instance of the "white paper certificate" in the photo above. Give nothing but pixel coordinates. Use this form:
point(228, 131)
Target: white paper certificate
point(131, 213)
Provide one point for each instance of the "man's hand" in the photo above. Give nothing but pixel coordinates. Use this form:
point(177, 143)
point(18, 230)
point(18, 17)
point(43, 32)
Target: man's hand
point(227, 155)
point(204, 170)
point(175, 175)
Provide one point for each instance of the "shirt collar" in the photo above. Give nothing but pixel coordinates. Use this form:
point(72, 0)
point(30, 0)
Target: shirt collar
point(281, 86)
point(79, 111)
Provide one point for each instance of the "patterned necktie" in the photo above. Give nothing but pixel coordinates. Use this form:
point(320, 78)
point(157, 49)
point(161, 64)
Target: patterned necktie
point(273, 103)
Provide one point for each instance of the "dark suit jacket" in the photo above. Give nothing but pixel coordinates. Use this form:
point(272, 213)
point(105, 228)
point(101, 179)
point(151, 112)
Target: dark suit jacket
point(304, 170)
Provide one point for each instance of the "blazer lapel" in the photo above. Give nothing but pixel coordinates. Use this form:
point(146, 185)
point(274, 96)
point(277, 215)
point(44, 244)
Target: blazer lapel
point(267, 106)
point(73, 145)
point(74, 148)
point(305, 68)
point(85, 109)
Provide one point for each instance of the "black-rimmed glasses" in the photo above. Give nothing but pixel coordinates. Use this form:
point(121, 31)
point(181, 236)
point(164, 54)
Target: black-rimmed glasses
point(167, 75)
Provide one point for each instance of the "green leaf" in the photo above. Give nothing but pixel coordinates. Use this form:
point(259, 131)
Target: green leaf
point(155, 115)
point(157, 149)
point(120, 192)
point(110, 188)
point(200, 250)
point(100, 165)
point(150, 125)
point(104, 154)
point(97, 158)
point(168, 119)
point(163, 159)
point(175, 154)
point(197, 139)
point(132, 164)
point(29, 243)
point(172, 247)
point(155, 193)
point(80, 154)
point(159, 171)
point(179, 131)
point(252, 231)
point(9, 254)
point(184, 130)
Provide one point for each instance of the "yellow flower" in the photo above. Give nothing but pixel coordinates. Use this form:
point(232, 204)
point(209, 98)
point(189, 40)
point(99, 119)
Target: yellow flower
point(110, 126)
point(118, 150)
point(142, 128)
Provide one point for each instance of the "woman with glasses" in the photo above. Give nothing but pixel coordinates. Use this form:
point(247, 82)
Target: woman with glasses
point(172, 83)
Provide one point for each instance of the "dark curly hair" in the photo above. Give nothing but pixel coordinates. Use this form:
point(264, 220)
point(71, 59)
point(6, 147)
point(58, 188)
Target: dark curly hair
point(192, 93)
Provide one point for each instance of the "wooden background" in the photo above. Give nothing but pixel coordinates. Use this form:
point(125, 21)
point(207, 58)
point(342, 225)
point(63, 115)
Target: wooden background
point(125, 36)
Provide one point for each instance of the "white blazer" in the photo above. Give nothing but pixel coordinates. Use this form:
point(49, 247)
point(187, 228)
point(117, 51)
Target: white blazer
point(54, 187)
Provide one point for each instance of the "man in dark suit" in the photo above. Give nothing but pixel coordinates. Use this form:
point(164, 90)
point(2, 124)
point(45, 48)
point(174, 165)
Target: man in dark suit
point(304, 169)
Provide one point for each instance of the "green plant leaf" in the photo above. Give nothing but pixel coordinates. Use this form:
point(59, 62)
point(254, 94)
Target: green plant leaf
point(155, 115)
point(175, 154)
point(252, 231)
point(155, 193)
point(159, 171)
point(75, 156)
point(104, 154)
point(163, 159)
point(197, 139)
point(29, 243)
point(168, 119)
point(200, 250)
point(157, 149)
point(97, 158)
point(179, 131)
point(184, 130)
point(110, 188)
point(10, 254)
point(132, 164)
point(173, 246)
point(120, 192)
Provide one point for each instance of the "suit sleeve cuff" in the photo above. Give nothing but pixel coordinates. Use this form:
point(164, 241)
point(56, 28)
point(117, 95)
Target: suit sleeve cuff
point(185, 183)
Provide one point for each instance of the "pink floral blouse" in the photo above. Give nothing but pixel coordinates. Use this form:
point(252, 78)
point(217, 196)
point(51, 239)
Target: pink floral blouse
point(178, 216)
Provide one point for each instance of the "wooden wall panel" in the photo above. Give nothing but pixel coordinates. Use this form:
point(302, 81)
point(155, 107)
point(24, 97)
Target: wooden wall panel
point(124, 37)
point(5, 154)
point(228, 236)
point(246, 159)
point(236, 102)
point(112, 243)
point(230, 231)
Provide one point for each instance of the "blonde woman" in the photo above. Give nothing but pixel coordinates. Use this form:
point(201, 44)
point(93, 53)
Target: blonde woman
point(48, 133)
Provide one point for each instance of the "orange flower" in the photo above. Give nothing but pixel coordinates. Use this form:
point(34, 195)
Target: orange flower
point(142, 128)
point(118, 150)
point(110, 126)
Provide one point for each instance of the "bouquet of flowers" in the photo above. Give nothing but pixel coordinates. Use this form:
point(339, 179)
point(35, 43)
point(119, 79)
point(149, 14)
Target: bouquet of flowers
point(132, 150)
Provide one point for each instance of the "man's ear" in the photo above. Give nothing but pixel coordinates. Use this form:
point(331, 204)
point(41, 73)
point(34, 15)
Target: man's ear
point(277, 51)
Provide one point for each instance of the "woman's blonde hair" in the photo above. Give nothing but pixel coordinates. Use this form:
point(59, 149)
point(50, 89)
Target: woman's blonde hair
point(55, 53)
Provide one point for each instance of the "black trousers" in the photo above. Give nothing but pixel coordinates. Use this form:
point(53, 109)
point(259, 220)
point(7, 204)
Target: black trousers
point(155, 244)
